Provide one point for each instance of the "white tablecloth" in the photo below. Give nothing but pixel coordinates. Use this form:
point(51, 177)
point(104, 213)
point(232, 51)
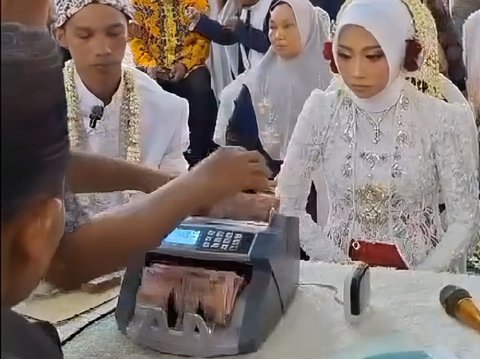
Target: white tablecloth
point(314, 325)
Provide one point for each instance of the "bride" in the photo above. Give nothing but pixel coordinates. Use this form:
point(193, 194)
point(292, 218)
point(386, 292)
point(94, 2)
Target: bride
point(386, 150)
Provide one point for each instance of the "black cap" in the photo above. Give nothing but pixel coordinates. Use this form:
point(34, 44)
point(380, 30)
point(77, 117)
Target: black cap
point(450, 295)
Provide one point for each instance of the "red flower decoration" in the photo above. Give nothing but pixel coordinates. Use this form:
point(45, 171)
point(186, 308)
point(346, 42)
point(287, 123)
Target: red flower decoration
point(328, 51)
point(412, 55)
point(328, 55)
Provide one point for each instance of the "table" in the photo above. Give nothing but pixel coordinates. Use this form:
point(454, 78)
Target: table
point(314, 326)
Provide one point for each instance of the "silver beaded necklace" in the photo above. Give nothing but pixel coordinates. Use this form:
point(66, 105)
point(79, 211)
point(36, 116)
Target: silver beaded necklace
point(376, 123)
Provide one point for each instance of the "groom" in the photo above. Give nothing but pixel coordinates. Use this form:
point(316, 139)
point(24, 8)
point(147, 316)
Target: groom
point(113, 109)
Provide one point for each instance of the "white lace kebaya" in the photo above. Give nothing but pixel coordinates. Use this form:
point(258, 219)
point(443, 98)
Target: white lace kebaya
point(385, 160)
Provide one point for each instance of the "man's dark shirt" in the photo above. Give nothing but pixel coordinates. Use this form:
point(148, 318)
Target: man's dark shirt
point(449, 40)
point(24, 340)
point(332, 7)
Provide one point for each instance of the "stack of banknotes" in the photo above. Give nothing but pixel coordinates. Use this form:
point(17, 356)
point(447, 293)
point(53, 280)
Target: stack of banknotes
point(179, 290)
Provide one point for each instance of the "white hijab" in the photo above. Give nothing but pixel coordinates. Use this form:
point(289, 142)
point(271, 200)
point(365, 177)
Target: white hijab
point(389, 21)
point(278, 87)
point(471, 45)
point(449, 91)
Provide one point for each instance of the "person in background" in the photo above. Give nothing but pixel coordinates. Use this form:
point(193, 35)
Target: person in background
point(471, 44)
point(450, 42)
point(460, 11)
point(216, 6)
point(163, 46)
point(267, 100)
point(246, 28)
point(217, 62)
point(35, 155)
point(332, 7)
point(471, 36)
point(259, 110)
point(113, 109)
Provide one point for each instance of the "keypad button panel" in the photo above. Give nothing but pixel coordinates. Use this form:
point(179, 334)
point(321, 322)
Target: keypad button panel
point(226, 241)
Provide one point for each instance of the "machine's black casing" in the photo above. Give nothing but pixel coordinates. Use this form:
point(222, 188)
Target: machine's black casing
point(274, 261)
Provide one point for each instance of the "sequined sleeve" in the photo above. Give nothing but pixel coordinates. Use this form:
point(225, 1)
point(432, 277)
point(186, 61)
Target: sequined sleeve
point(302, 161)
point(455, 149)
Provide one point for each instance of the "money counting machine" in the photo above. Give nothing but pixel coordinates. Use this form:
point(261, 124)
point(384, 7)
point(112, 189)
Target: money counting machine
point(212, 288)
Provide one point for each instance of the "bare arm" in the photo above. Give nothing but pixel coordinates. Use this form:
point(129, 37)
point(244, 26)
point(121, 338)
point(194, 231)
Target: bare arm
point(90, 173)
point(110, 241)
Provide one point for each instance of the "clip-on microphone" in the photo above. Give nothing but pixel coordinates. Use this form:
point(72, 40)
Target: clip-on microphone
point(96, 115)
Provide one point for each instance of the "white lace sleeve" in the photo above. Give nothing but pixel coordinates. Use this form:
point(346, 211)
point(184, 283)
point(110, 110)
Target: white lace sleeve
point(456, 148)
point(451, 92)
point(226, 107)
point(173, 160)
point(303, 158)
point(453, 95)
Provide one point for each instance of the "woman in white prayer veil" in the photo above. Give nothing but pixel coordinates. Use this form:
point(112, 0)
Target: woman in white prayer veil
point(386, 151)
point(260, 108)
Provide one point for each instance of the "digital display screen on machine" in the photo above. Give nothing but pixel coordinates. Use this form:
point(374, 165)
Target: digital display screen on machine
point(181, 236)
